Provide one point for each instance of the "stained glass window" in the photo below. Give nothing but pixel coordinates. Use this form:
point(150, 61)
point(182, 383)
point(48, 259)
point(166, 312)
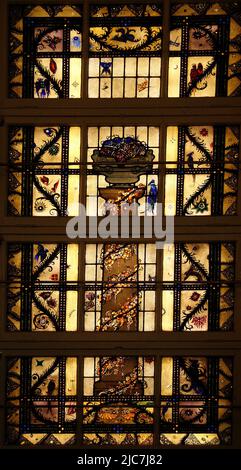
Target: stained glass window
point(117, 404)
point(120, 287)
point(202, 170)
point(118, 400)
point(46, 164)
point(122, 167)
point(43, 175)
point(125, 51)
point(205, 50)
point(196, 399)
point(41, 400)
point(199, 290)
point(42, 291)
point(45, 45)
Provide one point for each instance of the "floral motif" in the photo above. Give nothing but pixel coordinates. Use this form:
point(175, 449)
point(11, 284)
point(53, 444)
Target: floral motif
point(199, 322)
point(201, 205)
point(204, 132)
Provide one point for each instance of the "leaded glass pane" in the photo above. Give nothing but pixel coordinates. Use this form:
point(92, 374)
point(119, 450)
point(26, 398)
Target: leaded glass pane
point(41, 400)
point(125, 51)
point(120, 287)
point(122, 168)
point(42, 290)
point(46, 289)
point(43, 170)
point(202, 170)
point(196, 400)
point(118, 400)
point(45, 45)
point(205, 50)
point(198, 289)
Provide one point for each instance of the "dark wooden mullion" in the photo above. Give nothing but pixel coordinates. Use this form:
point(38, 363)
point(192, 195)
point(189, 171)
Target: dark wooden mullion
point(27, 172)
point(64, 170)
point(214, 290)
point(4, 401)
point(212, 394)
point(222, 56)
point(157, 401)
point(82, 200)
point(62, 398)
point(80, 399)
point(85, 50)
point(62, 288)
point(165, 47)
point(184, 58)
point(66, 59)
point(159, 253)
point(175, 394)
point(218, 170)
point(25, 395)
point(180, 171)
point(80, 290)
point(26, 287)
point(177, 288)
point(28, 56)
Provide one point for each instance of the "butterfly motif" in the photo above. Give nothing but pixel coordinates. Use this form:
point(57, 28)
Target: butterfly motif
point(106, 67)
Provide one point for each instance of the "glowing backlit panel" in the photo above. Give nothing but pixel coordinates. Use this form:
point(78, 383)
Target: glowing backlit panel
point(205, 55)
point(202, 170)
point(198, 287)
point(44, 170)
point(125, 51)
point(118, 405)
point(122, 168)
point(196, 400)
point(117, 290)
point(41, 400)
point(45, 45)
point(118, 401)
point(42, 290)
point(120, 287)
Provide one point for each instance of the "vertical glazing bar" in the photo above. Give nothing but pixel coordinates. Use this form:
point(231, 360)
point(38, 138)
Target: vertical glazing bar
point(85, 50)
point(165, 46)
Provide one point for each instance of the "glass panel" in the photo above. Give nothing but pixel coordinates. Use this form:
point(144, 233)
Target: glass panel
point(198, 289)
point(42, 290)
point(45, 51)
point(44, 170)
point(205, 50)
point(196, 401)
point(125, 51)
point(122, 168)
point(118, 400)
point(120, 287)
point(41, 400)
point(202, 170)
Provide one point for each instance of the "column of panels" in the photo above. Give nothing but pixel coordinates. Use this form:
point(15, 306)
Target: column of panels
point(123, 164)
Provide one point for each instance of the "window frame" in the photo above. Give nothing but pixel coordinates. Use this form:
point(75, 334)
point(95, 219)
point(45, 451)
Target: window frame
point(86, 112)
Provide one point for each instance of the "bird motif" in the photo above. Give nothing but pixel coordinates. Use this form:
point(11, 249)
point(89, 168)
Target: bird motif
point(42, 87)
point(125, 36)
point(195, 73)
point(41, 253)
point(152, 196)
point(195, 374)
point(190, 162)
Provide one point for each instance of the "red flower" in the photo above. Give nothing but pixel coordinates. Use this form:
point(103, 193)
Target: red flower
point(195, 296)
point(199, 322)
point(204, 132)
point(54, 277)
